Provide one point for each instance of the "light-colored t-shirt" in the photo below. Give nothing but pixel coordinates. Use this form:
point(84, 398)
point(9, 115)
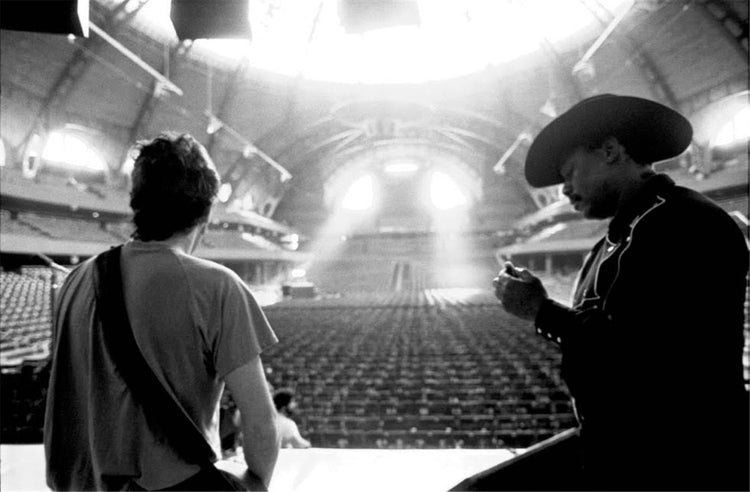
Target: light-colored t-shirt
point(288, 431)
point(194, 320)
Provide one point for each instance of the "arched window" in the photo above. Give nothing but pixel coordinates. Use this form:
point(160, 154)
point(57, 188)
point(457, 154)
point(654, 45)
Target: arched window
point(2, 153)
point(445, 193)
point(360, 194)
point(734, 131)
point(68, 150)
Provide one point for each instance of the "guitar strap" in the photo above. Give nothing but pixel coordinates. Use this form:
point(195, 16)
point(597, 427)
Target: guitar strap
point(161, 410)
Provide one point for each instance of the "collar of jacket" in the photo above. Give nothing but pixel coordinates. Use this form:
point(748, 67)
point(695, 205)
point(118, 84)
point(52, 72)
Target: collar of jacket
point(619, 227)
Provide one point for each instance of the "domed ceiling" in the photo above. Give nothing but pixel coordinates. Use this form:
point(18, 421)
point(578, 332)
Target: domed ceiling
point(316, 90)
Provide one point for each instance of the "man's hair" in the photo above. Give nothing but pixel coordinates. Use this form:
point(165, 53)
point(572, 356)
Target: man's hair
point(282, 398)
point(174, 186)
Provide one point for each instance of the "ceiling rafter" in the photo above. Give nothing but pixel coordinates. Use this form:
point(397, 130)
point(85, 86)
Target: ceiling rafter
point(177, 53)
point(642, 60)
point(339, 138)
point(238, 75)
point(564, 71)
point(60, 90)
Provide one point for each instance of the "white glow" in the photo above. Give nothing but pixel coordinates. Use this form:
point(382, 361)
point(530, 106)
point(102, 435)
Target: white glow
point(2, 153)
point(360, 195)
point(247, 202)
point(82, 9)
point(128, 165)
point(401, 168)
point(445, 193)
point(71, 151)
point(735, 130)
point(298, 272)
point(259, 241)
point(225, 191)
point(742, 124)
point(725, 135)
point(454, 39)
point(291, 241)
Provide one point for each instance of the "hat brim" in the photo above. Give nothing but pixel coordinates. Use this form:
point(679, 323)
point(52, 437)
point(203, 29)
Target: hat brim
point(654, 132)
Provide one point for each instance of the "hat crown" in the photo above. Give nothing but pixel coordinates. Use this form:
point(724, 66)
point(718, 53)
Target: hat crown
point(651, 131)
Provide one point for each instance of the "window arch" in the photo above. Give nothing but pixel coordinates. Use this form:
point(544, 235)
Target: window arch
point(3, 156)
point(69, 150)
point(359, 196)
point(734, 131)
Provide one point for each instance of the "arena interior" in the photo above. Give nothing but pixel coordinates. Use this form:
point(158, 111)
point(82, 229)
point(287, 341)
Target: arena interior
point(371, 155)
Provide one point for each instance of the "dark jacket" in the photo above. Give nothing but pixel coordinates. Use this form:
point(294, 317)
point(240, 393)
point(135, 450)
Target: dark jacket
point(652, 348)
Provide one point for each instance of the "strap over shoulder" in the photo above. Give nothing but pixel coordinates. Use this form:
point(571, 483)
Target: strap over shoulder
point(160, 408)
point(162, 411)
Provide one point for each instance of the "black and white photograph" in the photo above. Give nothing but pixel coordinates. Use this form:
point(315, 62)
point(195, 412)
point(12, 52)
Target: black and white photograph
point(374, 245)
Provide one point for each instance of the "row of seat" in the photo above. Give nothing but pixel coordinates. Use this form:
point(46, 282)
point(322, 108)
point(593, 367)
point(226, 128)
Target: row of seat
point(427, 372)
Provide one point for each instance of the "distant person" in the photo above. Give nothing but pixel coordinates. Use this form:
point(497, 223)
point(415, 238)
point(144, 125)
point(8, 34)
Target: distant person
point(230, 425)
point(194, 322)
point(286, 406)
point(652, 345)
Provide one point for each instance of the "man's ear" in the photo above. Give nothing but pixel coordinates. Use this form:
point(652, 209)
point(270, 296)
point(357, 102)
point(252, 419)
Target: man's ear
point(613, 149)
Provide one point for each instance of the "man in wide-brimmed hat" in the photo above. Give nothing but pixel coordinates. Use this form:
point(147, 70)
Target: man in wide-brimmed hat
point(653, 343)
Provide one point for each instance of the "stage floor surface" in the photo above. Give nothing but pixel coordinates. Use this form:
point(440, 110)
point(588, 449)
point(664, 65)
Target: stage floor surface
point(313, 470)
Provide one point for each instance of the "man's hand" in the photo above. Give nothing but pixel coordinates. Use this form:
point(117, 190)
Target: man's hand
point(520, 292)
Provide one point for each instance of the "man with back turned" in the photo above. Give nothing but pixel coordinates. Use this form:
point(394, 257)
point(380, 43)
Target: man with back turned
point(652, 344)
point(196, 326)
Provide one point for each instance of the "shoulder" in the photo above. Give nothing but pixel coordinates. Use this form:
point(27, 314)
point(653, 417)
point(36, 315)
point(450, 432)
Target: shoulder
point(79, 275)
point(691, 201)
point(685, 208)
point(691, 221)
point(209, 272)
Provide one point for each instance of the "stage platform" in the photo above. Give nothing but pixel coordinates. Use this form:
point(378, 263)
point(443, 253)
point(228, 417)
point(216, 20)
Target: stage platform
point(313, 470)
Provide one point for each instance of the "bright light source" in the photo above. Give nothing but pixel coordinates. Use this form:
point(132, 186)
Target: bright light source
point(291, 241)
point(298, 272)
point(360, 195)
point(725, 135)
point(82, 9)
point(225, 191)
point(401, 168)
point(482, 33)
point(742, 124)
point(736, 129)
point(445, 193)
point(71, 151)
point(127, 166)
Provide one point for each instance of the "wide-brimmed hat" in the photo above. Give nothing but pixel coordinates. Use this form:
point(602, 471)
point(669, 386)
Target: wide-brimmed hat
point(650, 131)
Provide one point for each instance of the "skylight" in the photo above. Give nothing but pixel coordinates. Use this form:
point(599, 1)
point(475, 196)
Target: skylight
point(453, 38)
